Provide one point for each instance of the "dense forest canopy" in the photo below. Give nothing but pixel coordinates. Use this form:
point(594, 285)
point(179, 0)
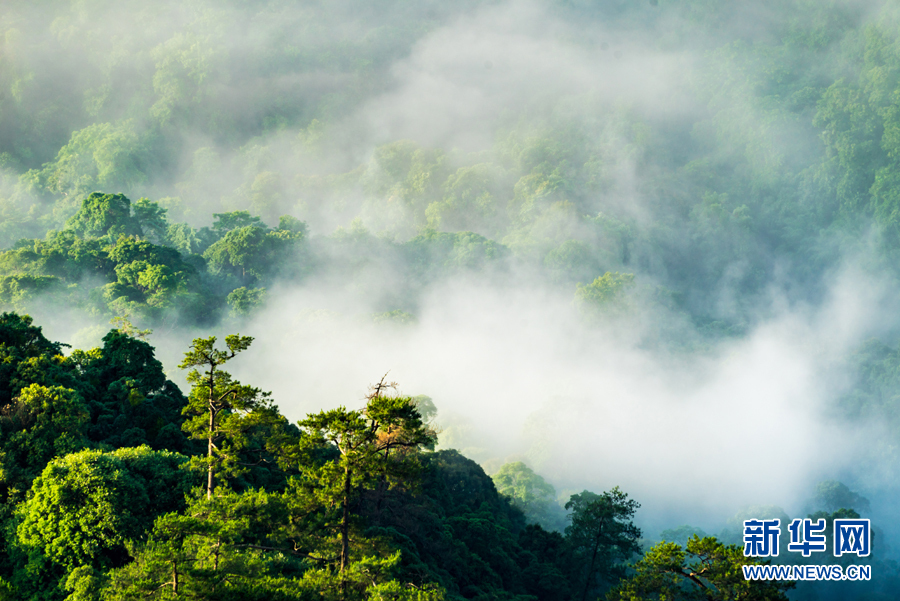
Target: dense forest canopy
point(639, 244)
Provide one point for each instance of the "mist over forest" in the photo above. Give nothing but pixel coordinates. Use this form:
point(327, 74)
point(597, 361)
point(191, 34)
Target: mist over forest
point(643, 247)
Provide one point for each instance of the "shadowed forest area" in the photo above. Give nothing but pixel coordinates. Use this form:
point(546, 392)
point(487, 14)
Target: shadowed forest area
point(633, 263)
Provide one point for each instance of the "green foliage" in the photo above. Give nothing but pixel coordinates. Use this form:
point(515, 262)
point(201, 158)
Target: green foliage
point(573, 260)
point(131, 401)
point(105, 215)
point(785, 157)
point(872, 398)
point(63, 256)
point(187, 240)
point(151, 218)
point(243, 301)
point(726, 191)
point(703, 569)
point(606, 295)
point(681, 534)
point(292, 224)
point(733, 531)
point(377, 446)
point(144, 279)
point(602, 537)
point(22, 344)
point(41, 423)
point(530, 493)
point(457, 531)
point(255, 545)
point(86, 507)
point(121, 386)
point(19, 291)
point(220, 410)
point(832, 495)
point(876, 366)
point(434, 253)
point(249, 253)
point(83, 584)
point(363, 512)
point(100, 156)
point(473, 197)
point(425, 406)
point(226, 547)
point(124, 326)
point(402, 178)
point(225, 222)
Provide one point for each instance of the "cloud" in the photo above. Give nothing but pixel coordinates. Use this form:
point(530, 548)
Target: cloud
point(514, 372)
point(460, 80)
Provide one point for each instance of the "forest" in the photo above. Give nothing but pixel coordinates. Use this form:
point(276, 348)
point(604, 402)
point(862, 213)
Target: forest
point(632, 264)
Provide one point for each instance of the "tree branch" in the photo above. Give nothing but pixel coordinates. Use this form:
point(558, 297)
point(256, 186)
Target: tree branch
point(280, 550)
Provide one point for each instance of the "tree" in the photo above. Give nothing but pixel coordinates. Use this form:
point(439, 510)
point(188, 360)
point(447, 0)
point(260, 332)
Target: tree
point(151, 218)
point(100, 156)
point(530, 492)
point(471, 198)
point(225, 222)
point(124, 326)
point(21, 342)
point(17, 291)
point(432, 253)
point(408, 178)
point(832, 495)
point(41, 423)
point(575, 260)
point(292, 224)
point(189, 241)
point(606, 294)
point(130, 399)
point(244, 301)
point(62, 255)
point(601, 536)
point(155, 282)
point(375, 444)
point(227, 547)
point(221, 409)
point(704, 570)
point(681, 534)
point(551, 564)
point(104, 214)
point(86, 508)
point(244, 252)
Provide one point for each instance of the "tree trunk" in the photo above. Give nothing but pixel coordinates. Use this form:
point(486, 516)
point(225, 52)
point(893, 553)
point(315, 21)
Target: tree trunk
point(345, 532)
point(209, 447)
point(379, 496)
point(587, 582)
